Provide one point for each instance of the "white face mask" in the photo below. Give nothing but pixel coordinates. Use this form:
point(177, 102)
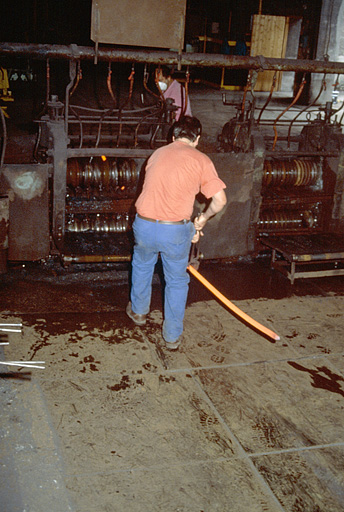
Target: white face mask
point(163, 86)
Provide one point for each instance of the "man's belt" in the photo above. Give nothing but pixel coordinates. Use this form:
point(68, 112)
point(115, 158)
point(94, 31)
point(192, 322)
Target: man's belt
point(185, 221)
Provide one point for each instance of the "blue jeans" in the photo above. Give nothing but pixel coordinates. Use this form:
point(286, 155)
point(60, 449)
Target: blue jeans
point(173, 242)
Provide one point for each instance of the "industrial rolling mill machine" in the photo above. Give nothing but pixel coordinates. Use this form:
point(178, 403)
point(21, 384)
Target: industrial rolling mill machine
point(284, 170)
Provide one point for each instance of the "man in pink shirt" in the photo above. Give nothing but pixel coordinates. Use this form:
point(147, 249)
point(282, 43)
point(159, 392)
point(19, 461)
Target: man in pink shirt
point(173, 89)
point(175, 174)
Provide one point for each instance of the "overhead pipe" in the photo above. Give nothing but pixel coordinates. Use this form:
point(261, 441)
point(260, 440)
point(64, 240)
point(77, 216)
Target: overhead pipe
point(259, 63)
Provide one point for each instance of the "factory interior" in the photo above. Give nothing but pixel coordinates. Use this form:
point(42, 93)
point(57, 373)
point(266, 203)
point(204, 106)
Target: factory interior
point(247, 415)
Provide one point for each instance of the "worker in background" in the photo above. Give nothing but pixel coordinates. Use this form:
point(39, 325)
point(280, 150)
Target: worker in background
point(171, 88)
point(175, 174)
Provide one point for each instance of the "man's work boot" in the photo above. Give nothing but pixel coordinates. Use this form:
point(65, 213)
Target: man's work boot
point(138, 319)
point(173, 345)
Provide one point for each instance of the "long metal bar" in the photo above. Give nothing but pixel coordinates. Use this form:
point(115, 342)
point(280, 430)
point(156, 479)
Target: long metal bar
point(24, 364)
point(258, 63)
point(247, 319)
point(94, 258)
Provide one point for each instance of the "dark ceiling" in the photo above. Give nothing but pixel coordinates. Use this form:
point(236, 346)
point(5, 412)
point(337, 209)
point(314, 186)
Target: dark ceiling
point(68, 21)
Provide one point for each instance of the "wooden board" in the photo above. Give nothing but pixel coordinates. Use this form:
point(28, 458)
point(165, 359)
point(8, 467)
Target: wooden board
point(150, 23)
point(269, 39)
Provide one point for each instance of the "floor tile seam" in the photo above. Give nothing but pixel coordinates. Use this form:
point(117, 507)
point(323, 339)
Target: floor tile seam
point(210, 367)
point(242, 452)
point(157, 467)
point(201, 462)
point(297, 449)
point(251, 363)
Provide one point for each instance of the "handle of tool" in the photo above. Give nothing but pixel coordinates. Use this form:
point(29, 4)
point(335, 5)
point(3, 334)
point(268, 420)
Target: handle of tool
point(232, 307)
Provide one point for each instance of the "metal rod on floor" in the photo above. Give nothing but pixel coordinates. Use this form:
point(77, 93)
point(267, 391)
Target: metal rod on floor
point(24, 364)
point(5, 329)
point(13, 325)
point(253, 323)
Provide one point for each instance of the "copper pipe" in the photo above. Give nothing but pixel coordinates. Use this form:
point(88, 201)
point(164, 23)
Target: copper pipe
point(108, 83)
point(78, 78)
point(156, 80)
point(322, 88)
point(273, 85)
point(131, 79)
point(145, 81)
point(131, 86)
point(286, 110)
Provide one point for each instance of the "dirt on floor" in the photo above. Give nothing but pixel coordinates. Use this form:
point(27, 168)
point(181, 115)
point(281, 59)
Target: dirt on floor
point(116, 422)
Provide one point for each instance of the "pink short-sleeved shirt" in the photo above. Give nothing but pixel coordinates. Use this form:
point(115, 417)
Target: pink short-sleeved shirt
point(177, 92)
point(175, 174)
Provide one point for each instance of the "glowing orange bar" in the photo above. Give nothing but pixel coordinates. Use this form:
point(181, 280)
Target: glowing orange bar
point(232, 307)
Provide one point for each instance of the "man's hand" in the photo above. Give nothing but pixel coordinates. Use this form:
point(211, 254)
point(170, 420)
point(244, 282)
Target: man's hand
point(217, 203)
point(200, 222)
point(196, 237)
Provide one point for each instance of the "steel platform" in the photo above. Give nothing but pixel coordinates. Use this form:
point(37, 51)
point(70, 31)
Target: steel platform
point(305, 256)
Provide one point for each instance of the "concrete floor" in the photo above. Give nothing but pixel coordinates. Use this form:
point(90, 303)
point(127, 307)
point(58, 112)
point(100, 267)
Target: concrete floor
point(232, 422)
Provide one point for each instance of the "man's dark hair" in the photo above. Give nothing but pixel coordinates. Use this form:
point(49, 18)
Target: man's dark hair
point(165, 71)
point(188, 127)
